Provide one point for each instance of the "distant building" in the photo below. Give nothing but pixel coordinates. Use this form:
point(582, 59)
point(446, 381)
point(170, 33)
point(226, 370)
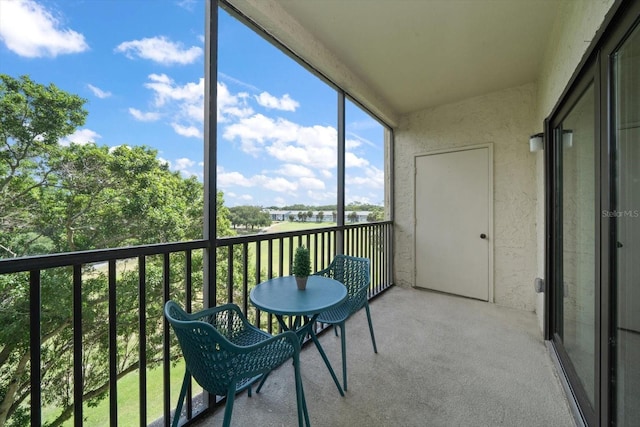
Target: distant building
point(327, 216)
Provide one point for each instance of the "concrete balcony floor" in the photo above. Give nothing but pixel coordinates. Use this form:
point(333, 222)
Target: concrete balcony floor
point(442, 361)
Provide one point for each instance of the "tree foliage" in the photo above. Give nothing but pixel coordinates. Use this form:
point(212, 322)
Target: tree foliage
point(249, 216)
point(61, 198)
point(377, 214)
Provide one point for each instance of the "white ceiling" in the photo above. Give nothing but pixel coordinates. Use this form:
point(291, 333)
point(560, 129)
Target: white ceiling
point(415, 54)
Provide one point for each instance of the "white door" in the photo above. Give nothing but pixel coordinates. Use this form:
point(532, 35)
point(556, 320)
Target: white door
point(453, 222)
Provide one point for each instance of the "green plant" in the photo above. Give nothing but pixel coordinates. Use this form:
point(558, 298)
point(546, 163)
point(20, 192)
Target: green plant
point(301, 262)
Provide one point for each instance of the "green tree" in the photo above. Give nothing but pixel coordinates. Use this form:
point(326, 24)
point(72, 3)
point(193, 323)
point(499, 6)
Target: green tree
point(249, 216)
point(376, 214)
point(352, 216)
point(33, 118)
point(320, 216)
point(57, 198)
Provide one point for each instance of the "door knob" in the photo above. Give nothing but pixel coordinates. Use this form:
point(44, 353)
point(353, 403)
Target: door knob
point(483, 236)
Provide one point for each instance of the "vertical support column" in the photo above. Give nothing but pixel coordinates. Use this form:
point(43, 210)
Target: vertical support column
point(210, 149)
point(341, 172)
point(210, 160)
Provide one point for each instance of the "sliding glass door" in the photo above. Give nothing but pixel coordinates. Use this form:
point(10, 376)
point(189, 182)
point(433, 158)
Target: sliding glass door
point(593, 227)
point(626, 218)
point(576, 245)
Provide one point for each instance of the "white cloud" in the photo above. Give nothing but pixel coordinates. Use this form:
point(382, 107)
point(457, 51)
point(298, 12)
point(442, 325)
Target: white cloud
point(247, 197)
point(149, 116)
point(318, 196)
point(187, 4)
point(231, 106)
point(326, 173)
point(187, 131)
point(285, 103)
point(279, 184)
point(231, 179)
point(312, 183)
point(161, 50)
point(313, 146)
point(30, 30)
point(351, 160)
point(185, 166)
point(373, 178)
point(306, 156)
point(165, 90)
point(279, 201)
point(289, 169)
point(237, 81)
point(80, 136)
point(99, 92)
point(184, 103)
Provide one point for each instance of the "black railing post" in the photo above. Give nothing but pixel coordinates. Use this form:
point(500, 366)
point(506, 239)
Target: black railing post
point(166, 342)
point(113, 347)
point(142, 333)
point(35, 330)
point(78, 376)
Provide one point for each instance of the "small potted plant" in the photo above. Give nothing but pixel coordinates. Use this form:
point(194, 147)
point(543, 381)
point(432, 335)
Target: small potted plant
point(301, 266)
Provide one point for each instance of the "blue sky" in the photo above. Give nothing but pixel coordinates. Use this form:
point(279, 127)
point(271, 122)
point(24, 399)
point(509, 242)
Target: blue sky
point(140, 65)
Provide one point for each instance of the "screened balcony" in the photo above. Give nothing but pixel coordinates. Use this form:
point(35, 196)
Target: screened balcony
point(442, 359)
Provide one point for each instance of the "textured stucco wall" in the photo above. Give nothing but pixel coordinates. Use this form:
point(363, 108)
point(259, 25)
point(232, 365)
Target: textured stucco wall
point(505, 119)
point(574, 28)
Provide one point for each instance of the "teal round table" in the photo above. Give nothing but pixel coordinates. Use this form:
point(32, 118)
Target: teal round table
point(281, 297)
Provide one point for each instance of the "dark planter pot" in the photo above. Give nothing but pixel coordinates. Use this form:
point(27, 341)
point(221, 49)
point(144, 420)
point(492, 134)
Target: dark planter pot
point(302, 282)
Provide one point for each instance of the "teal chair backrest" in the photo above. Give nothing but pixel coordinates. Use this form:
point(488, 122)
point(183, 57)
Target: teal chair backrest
point(353, 272)
point(212, 346)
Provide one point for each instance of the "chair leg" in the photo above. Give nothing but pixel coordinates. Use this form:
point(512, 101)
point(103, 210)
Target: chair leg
point(326, 362)
point(373, 338)
point(303, 413)
point(228, 407)
point(264, 378)
point(343, 344)
point(183, 393)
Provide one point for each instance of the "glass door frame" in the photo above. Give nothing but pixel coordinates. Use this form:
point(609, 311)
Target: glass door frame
point(597, 67)
point(589, 76)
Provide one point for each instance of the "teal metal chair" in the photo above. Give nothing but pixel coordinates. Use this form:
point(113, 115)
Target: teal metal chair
point(225, 354)
point(353, 272)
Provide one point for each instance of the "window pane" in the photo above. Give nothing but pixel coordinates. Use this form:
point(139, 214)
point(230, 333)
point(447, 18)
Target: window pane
point(364, 161)
point(578, 239)
point(627, 218)
point(277, 137)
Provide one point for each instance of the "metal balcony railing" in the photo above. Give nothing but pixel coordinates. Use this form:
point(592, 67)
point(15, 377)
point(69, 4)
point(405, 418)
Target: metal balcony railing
point(107, 305)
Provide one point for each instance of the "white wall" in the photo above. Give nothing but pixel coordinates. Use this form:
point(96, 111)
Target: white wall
point(505, 119)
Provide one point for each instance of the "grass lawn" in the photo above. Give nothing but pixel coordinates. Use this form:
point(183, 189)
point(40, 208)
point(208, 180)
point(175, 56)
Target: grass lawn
point(128, 398)
point(284, 227)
